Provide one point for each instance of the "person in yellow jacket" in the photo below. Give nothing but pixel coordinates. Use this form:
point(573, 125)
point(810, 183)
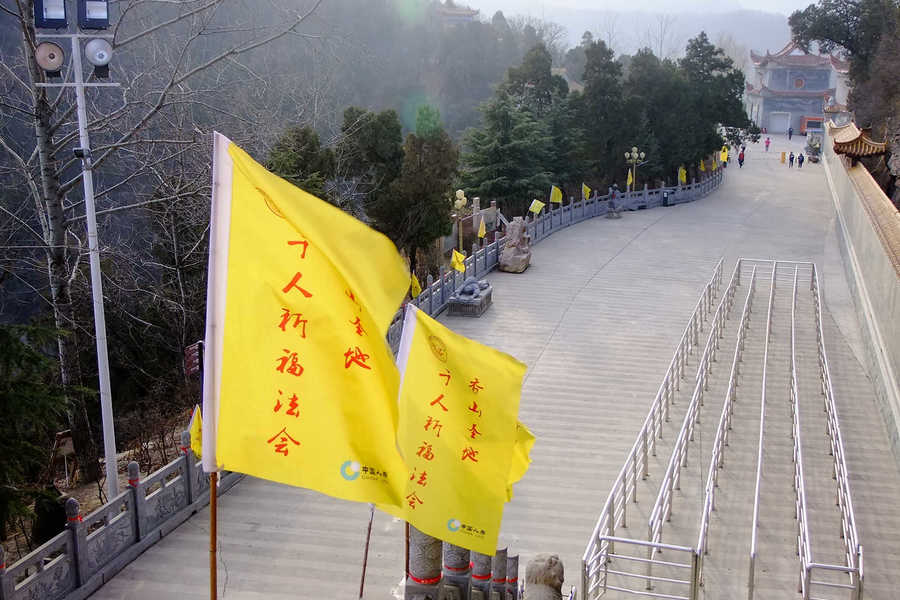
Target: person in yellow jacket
point(723, 155)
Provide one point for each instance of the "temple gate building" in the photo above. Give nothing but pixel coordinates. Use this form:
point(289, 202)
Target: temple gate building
point(791, 88)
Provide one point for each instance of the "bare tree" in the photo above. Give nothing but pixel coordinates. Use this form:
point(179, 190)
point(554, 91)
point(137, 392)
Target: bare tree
point(175, 60)
point(609, 31)
point(659, 35)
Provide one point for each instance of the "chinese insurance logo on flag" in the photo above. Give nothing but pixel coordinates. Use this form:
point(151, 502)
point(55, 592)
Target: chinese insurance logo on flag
point(458, 433)
point(300, 384)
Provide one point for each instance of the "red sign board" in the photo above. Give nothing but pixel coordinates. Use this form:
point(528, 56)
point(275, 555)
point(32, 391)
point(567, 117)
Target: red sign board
point(193, 358)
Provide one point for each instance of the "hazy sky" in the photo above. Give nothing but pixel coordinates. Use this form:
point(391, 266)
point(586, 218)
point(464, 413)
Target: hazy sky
point(540, 8)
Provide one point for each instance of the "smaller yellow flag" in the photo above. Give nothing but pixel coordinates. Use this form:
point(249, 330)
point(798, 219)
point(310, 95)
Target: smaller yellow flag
point(703, 165)
point(630, 178)
point(682, 174)
point(458, 262)
point(555, 195)
point(415, 288)
point(521, 458)
point(482, 230)
point(536, 206)
point(196, 429)
point(585, 191)
point(724, 154)
point(715, 165)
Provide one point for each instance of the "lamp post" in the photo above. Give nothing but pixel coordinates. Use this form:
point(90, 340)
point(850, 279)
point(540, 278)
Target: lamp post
point(92, 14)
point(634, 158)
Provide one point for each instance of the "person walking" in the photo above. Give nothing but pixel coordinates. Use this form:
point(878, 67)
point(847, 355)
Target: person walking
point(800, 160)
point(741, 160)
point(768, 141)
point(791, 160)
point(790, 133)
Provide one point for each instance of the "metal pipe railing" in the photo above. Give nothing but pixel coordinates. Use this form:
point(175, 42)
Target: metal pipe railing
point(762, 427)
point(717, 459)
point(614, 512)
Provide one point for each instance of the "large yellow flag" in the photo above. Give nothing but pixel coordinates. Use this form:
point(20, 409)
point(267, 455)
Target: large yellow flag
point(536, 206)
point(682, 174)
point(300, 385)
point(555, 194)
point(585, 191)
point(630, 178)
point(196, 431)
point(459, 402)
point(458, 261)
point(482, 230)
point(414, 287)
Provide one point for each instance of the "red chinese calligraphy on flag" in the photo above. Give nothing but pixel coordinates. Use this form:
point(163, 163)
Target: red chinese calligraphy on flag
point(300, 386)
point(472, 392)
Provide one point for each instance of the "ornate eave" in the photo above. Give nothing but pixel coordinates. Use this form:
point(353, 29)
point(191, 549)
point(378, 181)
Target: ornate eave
point(786, 58)
point(851, 141)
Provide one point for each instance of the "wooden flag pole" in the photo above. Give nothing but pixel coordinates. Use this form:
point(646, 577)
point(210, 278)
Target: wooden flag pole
point(362, 581)
point(213, 501)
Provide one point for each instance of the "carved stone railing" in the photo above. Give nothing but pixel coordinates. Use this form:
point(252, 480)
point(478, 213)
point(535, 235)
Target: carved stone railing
point(93, 548)
point(436, 294)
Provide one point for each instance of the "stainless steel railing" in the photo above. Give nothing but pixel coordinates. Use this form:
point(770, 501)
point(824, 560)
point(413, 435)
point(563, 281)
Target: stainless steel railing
point(717, 460)
point(662, 508)
point(613, 515)
point(853, 550)
point(754, 541)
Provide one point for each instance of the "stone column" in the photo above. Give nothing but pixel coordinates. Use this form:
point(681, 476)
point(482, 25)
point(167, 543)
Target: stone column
point(481, 576)
point(76, 526)
point(456, 572)
point(498, 575)
point(424, 575)
point(3, 591)
point(512, 577)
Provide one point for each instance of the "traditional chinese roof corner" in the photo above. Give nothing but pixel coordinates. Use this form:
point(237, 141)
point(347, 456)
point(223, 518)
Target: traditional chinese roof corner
point(767, 91)
point(851, 141)
point(453, 11)
point(786, 57)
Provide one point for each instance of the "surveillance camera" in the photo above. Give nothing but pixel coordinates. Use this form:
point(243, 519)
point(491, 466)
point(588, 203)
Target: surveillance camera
point(82, 153)
point(98, 52)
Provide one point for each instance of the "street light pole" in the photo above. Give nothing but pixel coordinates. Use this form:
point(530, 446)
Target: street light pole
point(87, 178)
point(634, 158)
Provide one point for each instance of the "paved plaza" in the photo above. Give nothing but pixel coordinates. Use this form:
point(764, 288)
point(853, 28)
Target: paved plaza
point(596, 318)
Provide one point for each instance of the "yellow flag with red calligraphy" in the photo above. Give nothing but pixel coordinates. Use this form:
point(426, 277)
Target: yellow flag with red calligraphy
point(300, 385)
point(459, 402)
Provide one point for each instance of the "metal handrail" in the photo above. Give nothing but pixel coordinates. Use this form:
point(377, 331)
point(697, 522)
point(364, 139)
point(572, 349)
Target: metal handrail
point(614, 512)
point(801, 512)
point(762, 426)
point(662, 507)
point(853, 550)
point(717, 459)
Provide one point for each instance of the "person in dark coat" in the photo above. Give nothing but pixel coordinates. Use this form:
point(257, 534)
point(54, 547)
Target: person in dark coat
point(790, 132)
point(800, 160)
point(741, 160)
point(791, 160)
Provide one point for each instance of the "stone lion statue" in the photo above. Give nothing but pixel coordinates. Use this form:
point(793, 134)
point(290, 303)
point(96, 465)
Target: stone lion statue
point(544, 578)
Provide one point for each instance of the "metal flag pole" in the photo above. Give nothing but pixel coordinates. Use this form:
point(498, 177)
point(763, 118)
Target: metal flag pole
point(213, 502)
point(362, 581)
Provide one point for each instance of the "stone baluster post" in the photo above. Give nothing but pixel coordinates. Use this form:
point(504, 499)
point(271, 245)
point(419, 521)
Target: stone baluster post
point(481, 576)
point(3, 594)
point(498, 575)
point(424, 575)
point(441, 279)
point(76, 526)
point(512, 577)
point(475, 259)
point(134, 482)
point(190, 465)
point(429, 281)
point(456, 572)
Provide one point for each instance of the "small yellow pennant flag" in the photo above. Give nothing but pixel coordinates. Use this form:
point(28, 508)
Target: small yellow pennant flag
point(196, 430)
point(715, 165)
point(703, 165)
point(414, 287)
point(555, 194)
point(723, 155)
point(521, 459)
point(482, 230)
point(585, 191)
point(300, 386)
point(459, 402)
point(536, 206)
point(682, 174)
point(630, 178)
point(458, 261)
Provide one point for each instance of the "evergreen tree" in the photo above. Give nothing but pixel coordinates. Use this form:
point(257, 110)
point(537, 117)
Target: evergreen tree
point(298, 156)
point(507, 156)
point(370, 152)
point(416, 209)
point(600, 111)
point(533, 82)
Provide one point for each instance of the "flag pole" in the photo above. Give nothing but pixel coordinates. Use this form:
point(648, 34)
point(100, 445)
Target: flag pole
point(213, 489)
point(362, 581)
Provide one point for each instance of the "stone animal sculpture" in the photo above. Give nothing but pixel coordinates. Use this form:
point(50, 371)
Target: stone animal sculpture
point(544, 577)
point(516, 255)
